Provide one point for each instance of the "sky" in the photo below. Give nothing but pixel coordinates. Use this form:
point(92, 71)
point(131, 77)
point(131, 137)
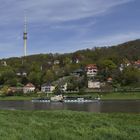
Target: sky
point(62, 26)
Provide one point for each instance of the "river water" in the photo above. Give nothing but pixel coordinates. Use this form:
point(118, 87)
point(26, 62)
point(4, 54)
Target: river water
point(129, 106)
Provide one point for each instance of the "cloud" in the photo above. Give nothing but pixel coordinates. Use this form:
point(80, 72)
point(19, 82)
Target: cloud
point(63, 10)
point(73, 26)
point(68, 22)
point(52, 11)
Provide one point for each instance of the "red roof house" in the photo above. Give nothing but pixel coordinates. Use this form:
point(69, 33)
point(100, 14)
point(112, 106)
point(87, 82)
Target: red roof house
point(91, 70)
point(28, 88)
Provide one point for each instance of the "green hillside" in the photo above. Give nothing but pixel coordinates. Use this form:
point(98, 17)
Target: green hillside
point(42, 68)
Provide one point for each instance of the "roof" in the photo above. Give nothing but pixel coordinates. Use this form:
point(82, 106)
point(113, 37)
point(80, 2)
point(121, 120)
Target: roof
point(46, 84)
point(91, 66)
point(109, 79)
point(78, 71)
point(29, 85)
point(137, 62)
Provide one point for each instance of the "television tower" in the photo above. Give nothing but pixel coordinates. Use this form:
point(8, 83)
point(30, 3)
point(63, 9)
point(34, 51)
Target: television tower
point(25, 36)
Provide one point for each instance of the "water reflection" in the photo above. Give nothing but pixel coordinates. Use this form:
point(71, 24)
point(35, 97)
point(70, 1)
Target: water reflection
point(120, 106)
point(131, 106)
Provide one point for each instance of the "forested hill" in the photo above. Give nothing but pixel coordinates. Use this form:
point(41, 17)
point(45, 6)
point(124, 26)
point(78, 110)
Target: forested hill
point(49, 67)
point(129, 50)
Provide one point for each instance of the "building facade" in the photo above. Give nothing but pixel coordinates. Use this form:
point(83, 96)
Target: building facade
point(94, 84)
point(91, 70)
point(47, 88)
point(28, 88)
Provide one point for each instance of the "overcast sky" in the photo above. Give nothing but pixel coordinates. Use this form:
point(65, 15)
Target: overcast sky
point(66, 25)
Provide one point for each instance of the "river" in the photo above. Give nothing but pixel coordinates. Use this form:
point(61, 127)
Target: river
point(129, 106)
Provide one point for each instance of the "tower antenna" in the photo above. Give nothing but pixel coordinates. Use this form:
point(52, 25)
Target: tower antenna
point(25, 34)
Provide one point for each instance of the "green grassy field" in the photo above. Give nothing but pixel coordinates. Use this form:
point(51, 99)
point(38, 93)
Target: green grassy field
point(122, 96)
point(68, 125)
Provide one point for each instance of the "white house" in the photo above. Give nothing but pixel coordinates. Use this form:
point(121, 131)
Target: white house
point(21, 74)
point(48, 88)
point(49, 62)
point(28, 88)
point(137, 64)
point(24, 74)
point(18, 74)
point(91, 70)
point(94, 84)
point(64, 87)
point(56, 62)
point(4, 63)
point(124, 65)
point(109, 80)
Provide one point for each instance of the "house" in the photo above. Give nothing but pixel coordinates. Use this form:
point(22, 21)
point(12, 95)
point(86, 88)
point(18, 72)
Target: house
point(137, 64)
point(15, 89)
point(28, 88)
point(56, 62)
point(125, 64)
point(18, 74)
point(24, 74)
point(109, 80)
point(62, 83)
point(91, 70)
point(4, 63)
point(63, 87)
point(49, 62)
point(122, 66)
point(48, 88)
point(94, 84)
point(21, 74)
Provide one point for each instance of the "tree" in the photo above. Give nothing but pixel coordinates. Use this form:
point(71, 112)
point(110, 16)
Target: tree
point(58, 90)
point(49, 76)
point(107, 64)
point(35, 78)
point(107, 68)
point(74, 83)
point(4, 90)
point(131, 76)
point(8, 77)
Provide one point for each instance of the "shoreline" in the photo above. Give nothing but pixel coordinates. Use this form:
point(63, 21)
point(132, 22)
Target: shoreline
point(103, 96)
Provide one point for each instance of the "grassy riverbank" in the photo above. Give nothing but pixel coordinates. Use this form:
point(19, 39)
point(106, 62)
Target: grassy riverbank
point(20, 98)
point(14, 98)
point(121, 96)
point(67, 125)
point(103, 96)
